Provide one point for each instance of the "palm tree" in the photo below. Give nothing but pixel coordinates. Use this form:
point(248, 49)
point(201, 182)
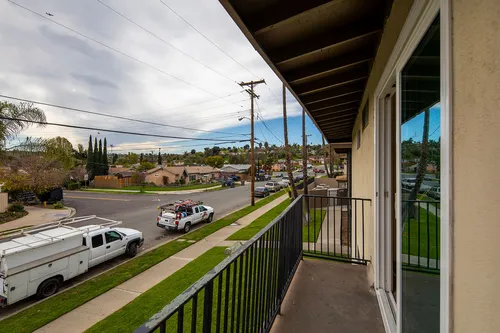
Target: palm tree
point(287, 147)
point(15, 118)
point(326, 156)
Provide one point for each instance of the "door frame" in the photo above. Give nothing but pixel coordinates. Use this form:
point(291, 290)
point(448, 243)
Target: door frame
point(421, 15)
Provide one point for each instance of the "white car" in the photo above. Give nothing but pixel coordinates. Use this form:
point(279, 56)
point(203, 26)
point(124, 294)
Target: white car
point(183, 214)
point(273, 186)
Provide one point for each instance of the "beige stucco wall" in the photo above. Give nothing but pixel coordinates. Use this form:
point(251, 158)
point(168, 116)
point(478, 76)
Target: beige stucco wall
point(476, 158)
point(363, 167)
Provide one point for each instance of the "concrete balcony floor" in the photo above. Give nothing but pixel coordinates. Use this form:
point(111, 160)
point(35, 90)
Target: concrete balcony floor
point(329, 296)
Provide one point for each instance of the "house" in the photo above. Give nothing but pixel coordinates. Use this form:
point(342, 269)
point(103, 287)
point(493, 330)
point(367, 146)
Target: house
point(371, 74)
point(166, 175)
point(315, 160)
point(241, 170)
point(202, 173)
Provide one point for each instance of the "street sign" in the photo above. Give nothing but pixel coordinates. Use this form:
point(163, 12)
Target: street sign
point(86, 177)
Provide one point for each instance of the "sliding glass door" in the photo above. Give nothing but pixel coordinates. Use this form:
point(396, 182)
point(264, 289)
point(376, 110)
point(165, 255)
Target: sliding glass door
point(419, 171)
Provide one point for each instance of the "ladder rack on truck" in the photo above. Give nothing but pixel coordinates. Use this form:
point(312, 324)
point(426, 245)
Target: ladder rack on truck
point(64, 222)
point(180, 204)
point(38, 259)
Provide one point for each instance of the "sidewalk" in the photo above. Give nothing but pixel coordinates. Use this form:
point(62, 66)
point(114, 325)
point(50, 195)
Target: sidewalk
point(104, 305)
point(38, 216)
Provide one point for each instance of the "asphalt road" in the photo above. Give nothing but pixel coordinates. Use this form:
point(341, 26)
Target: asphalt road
point(140, 211)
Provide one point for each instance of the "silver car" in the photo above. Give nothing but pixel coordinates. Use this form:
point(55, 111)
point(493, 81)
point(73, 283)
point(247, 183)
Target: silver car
point(273, 186)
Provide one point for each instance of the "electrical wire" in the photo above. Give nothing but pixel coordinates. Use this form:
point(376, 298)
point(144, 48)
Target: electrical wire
point(259, 115)
point(113, 116)
point(114, 49)
point(108, 130)
point(165, 42)
point(208, 39)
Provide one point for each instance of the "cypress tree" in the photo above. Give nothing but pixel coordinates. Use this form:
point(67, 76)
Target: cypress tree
point(159, 158)
point(105, 158)
point(95, 159)
point(90, 157)
point(99, 158)
point(141, 157)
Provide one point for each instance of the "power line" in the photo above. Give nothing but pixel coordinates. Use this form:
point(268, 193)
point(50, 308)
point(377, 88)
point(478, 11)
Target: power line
point(109, 130)
point(165, 42)
point(115, 50)
point(208, 39)
point(259, 114)
point(113, 116)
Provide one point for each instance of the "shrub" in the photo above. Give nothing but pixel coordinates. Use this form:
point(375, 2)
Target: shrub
point(16, 208)
point(58, 205)
point(73, 186)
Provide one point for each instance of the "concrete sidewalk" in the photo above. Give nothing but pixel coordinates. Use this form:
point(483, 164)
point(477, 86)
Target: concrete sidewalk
point(90, 313)
point(38, 216)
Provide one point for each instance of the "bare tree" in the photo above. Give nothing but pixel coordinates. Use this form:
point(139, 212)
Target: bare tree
point(287, 147)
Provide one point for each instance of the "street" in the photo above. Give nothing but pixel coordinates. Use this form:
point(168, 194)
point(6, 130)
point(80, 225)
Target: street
point(139, 211)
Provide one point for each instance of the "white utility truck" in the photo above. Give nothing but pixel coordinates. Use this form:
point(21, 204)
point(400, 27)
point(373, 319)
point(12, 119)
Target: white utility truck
point(44, 256)
point(183, 214)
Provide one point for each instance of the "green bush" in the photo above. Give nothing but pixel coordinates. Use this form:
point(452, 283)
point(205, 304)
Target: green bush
point(58, 205)
point(73, 186)
point(16, 207)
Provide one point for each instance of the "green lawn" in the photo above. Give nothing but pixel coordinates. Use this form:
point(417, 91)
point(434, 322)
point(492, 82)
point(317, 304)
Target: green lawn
point(253, 228)
point(310, 231)
point(172, 188)
point(429, 240)
point(134, 314)
point(32, 318)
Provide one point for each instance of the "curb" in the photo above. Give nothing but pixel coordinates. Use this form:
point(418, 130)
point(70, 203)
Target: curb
point(72, 213)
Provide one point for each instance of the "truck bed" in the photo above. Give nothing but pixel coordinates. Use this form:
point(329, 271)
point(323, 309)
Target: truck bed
point(45, 260)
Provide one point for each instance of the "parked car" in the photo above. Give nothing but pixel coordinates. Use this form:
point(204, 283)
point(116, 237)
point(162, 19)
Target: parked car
point(273, 186)
point(435, 192)
point(39, 267)
point(267, 177)
point(285, 181)
point(408, 183)
point(235, 178)
point(183, 214)
point(261, 192)
point(228, 182)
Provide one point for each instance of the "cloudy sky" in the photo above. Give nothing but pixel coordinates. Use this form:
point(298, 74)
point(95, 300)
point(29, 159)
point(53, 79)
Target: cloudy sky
point(170, 75)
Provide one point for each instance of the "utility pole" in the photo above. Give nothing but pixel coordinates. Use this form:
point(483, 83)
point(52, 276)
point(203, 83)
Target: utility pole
point(304, 151)
point(252, 149)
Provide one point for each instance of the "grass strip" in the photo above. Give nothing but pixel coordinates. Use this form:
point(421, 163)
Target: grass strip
point(225, 221)
point(310, 231)
point(253, 228)
point(421, 235)
point(135, 313)
point(43, 313)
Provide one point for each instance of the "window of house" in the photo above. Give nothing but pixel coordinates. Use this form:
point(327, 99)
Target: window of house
point(192, 177)
point(358, 139)
point(97, 241)
point(365, 115)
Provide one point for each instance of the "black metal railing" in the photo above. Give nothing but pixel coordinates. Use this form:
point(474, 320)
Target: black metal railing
point(421, 235)
point(334, 227)
point(245, 291)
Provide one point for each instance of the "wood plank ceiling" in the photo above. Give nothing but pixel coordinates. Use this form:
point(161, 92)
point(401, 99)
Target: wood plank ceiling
point(322, 49)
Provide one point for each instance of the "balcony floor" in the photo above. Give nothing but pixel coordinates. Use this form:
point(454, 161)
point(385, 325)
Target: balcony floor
point(329, 296)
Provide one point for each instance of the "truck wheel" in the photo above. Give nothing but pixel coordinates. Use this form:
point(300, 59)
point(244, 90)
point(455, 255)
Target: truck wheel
point(210, 218)
point(187, 227)
point(132, 250)
point(48, 287)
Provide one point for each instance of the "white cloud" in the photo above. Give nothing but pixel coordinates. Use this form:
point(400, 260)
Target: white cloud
point(45, 62)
